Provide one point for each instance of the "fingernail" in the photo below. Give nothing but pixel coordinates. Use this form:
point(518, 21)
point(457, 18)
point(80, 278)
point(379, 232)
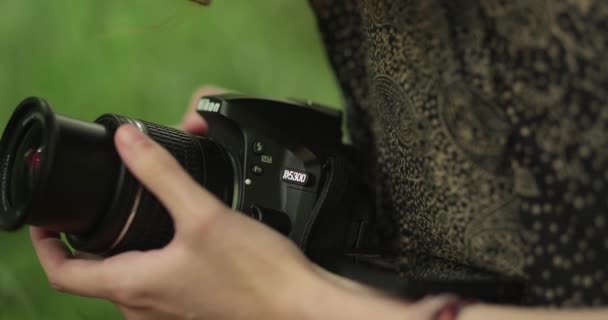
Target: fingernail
point(129, 136)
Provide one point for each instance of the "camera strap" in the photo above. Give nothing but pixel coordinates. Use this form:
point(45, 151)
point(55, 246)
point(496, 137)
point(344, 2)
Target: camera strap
point(336, 228)
point(326, 230)
point(337, 225)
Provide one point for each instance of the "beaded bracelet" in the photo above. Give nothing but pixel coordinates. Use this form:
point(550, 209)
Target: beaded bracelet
point(451, 310)
point(440, 307)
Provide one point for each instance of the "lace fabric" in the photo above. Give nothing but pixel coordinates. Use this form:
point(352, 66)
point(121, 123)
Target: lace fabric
point(486, 126)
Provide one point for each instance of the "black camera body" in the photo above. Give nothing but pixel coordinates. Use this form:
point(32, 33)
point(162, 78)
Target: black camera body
point(280, 152)
point(280, 162)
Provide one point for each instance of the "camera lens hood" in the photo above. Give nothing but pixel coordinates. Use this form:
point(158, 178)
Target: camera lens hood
point(68, 183)
point(31, 111)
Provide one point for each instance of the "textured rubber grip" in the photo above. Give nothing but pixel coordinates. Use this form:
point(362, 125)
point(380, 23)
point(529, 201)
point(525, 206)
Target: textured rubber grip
point(184, 147)
point(152, 226)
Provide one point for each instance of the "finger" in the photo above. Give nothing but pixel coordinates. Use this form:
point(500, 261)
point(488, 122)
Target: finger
point(81, 277)
point(164, 177)
point(192, 121)
point(202, 2)
point(86, 255)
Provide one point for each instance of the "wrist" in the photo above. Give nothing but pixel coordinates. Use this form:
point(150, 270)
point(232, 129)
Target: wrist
point(321, 295)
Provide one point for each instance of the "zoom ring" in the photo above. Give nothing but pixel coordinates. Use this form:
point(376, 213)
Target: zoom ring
point(184, 147)
point(152, 226)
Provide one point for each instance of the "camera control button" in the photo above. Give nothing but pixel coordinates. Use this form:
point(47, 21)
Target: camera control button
point(275, 219)
point(257, 169)
point(258, 147)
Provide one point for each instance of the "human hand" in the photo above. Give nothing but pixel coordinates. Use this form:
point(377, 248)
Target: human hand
point(219, 265)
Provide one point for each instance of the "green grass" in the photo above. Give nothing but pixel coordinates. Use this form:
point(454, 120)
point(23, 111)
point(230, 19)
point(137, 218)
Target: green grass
point(141, 58)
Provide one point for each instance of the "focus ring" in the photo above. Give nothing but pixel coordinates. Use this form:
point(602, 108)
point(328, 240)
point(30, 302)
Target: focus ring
point(152, 226)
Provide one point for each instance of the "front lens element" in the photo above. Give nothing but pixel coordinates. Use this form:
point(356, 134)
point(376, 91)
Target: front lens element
point(25, 171)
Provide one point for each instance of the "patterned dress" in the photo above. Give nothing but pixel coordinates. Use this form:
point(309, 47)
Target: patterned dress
point(486, 122)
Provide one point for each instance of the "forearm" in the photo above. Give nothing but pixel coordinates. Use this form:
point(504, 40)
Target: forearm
point(348, 302)
point(485, 312)
point(426, 310)
point(364, 306)
point(328, 296)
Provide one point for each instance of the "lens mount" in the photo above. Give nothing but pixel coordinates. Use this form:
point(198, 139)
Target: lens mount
point(31, 114)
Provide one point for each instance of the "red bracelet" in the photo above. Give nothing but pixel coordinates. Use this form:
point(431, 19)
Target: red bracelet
point(451, 310)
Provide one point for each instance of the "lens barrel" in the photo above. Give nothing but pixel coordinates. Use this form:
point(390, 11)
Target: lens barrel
point(75, 170)
point(65, 175)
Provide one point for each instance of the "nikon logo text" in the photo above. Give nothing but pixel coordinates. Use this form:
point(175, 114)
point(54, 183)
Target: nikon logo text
point(209, 106)
point(296, 177)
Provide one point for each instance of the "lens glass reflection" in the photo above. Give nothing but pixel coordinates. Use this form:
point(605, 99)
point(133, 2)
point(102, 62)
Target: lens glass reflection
point(27, 161)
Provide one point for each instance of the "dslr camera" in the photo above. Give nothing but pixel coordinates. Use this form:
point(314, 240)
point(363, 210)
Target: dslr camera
point(281, 163)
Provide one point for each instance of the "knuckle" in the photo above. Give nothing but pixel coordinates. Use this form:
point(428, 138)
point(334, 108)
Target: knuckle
point(154, 157)
point(146, 146)
point(206, 221)
point(56, 284)
point(129, 294)
point(57, 287)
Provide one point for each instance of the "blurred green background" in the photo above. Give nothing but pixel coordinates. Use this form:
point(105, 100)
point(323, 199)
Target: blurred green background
point(141, 58)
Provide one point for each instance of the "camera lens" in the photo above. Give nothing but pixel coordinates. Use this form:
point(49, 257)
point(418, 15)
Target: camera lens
point(26, 165)
point(65, 175)
point(136, 219)
point(55, 172)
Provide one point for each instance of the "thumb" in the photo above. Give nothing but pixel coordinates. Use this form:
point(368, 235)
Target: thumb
point(162, 175)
